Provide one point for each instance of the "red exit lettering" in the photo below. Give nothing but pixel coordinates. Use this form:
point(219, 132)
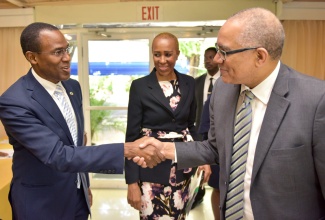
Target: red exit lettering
point(150, 13)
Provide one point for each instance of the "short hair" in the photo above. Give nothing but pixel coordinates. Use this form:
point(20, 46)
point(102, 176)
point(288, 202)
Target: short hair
point(211, 49)
point(261, 28)
point(29, 38)
point(167, 35)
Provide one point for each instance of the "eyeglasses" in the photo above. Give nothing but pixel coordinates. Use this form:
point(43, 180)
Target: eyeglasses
point(59, 52)
point(223, 54)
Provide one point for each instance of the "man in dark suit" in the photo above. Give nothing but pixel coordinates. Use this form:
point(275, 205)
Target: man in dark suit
point(48, 169)
point(204, 82)
point(283, 176)
point(203, 89)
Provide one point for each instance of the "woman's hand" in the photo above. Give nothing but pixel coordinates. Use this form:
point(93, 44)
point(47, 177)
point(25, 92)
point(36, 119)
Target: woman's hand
point(134, 196)
point(207, 172)
point(90, 197)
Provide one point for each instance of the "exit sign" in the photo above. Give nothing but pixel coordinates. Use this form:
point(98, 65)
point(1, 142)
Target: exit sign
point(149, 13)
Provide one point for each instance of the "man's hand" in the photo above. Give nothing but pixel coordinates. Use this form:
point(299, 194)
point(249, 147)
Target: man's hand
point(150, 154)
point(90, 197)
point(167, 149)
point(3, 154)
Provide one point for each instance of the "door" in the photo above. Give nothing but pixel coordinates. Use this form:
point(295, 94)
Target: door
point(108, 67)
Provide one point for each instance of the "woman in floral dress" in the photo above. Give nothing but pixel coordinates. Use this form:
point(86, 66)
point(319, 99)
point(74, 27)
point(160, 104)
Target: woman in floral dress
point(161, 105)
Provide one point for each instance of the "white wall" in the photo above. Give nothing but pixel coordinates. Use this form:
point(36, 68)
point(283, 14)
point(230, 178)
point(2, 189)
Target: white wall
point(150, 11)
point(131, 11)
point(121, 12)
point(16, 17)
point(145, 11)
point(301, 11)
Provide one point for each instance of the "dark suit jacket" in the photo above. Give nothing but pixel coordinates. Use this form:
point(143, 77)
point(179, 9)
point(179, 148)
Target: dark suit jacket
point(205, 120)
point(149, 108)
point(199, 90)
point(288, 177)
point(45, 162)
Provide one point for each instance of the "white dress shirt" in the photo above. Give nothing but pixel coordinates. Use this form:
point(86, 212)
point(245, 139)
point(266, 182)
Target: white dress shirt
point(207, 84)
point(262, 93)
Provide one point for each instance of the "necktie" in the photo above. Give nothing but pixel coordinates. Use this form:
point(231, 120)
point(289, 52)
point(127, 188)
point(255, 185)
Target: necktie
point(67, 113)
point(235, 193)
point(210, 87)
point(68, 116)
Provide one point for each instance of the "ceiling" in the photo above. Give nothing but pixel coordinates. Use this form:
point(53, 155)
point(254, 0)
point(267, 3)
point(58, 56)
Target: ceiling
point(10, 4)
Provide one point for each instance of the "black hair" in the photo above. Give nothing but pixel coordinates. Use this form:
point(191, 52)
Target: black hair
point(212, 49)
point(29, 39)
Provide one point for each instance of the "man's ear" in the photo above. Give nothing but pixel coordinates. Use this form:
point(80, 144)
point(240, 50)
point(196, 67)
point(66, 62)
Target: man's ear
point(30, 56)
point(261, 55)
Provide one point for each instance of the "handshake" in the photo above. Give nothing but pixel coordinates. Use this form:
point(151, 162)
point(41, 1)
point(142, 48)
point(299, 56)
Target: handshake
point(148, 151)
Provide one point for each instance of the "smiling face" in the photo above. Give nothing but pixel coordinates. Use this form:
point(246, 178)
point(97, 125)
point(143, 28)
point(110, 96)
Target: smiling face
point(165, 54)
point(46, 64)
point(238, 68)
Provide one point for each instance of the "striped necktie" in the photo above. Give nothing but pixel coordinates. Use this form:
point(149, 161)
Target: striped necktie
point(235, 193)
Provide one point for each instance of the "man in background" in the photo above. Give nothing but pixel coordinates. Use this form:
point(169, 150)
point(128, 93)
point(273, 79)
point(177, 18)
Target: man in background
point(203, 89)
point(204, 84)
point(212, 75)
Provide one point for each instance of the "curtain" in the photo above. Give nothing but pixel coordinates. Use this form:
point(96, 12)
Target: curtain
point(13, 64)
point(304, 47)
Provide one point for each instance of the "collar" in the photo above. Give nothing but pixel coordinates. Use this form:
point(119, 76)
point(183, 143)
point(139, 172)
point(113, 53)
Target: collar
point(49, 86)
point(215, 76)
point(263, 90)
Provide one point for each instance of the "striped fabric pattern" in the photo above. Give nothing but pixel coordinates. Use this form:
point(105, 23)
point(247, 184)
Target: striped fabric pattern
point(235, 193)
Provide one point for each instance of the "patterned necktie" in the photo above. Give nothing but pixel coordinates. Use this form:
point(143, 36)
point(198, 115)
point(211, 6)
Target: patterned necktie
point(69, 118)
point(67, 113)
point(235, 194)
point(210, 87)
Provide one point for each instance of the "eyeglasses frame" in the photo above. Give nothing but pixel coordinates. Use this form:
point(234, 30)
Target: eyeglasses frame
point(225, 53)
point(63, 51)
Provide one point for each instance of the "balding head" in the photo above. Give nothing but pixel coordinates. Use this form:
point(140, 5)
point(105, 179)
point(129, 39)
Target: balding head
point(260, 28)
point(166, 35)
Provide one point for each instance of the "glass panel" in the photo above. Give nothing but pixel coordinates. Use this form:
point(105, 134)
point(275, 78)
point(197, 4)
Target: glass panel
point(113, 65)
point(108, 126)
point(192, 55)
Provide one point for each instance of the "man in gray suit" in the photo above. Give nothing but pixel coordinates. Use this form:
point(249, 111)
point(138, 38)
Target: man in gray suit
point(284, 173)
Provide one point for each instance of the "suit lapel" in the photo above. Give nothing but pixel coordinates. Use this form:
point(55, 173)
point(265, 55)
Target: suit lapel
point(40, 95)
point(157, 92)
point(201, 89)
point(275, 112)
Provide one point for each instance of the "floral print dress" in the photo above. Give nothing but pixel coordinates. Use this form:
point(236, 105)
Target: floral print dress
point(159, 201)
